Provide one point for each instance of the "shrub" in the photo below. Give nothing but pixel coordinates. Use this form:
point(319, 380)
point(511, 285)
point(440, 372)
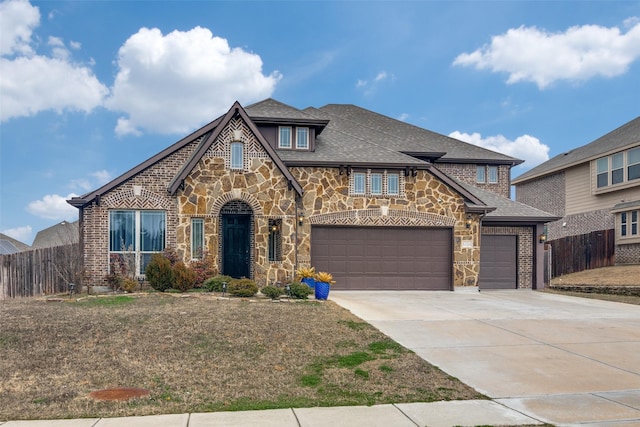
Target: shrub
point(184, 277)
point(214, 284)
point(271, 292)
point(171, 255)
point(300, 290)
point(129, 284)
point(324, 277)
point(204, 269)
point(243, 288)
point(159, 272)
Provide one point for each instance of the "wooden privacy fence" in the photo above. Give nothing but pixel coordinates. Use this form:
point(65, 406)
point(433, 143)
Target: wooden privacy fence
point(36, 272)
point(583, 252)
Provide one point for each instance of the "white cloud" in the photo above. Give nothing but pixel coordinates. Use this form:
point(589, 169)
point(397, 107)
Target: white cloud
point(17, 21)
point(525, 147)
point(173, 83)
point(95, 180)
point(22, 234)
point(369, 87)
point(529, 54)
point(54, 206)
point(403, 117)
point(32, 83)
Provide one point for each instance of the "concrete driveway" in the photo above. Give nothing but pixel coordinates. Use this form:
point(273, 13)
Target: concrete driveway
point(559, 359)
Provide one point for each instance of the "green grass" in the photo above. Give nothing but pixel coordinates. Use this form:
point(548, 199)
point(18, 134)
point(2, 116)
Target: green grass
point(354, 359)
point(381, 347)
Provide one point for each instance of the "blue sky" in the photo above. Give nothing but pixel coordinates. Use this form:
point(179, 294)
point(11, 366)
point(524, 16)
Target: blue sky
point(89, 89)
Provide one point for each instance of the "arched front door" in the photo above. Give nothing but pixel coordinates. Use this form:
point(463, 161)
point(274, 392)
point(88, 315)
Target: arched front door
point(236, 239)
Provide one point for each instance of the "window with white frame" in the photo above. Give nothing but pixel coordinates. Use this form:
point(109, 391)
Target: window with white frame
point(275, 240)
point(618, 168)
point(629, 224)
point(359, 182)
point(302, 138)
point(375, 183)
point(393, 184)
point(284, 137)
point(237, 155)
point(137, 234)
point(493, 174)
point(481, 173)
point(197, 238)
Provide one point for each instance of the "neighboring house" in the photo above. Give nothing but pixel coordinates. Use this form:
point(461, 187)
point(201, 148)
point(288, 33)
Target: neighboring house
point(61, 234)
point(592, 188)
point(9, 245)
point(379, 203)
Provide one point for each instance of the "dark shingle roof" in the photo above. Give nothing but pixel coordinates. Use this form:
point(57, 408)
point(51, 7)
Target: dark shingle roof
point(508, 210)
point(275, 109)
point(616, 140)
point(60, 234)
point(397, 135)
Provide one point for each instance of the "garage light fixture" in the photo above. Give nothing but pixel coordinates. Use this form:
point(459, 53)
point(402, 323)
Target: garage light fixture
point(300, 218)
point(543, 238)
point(468, 222)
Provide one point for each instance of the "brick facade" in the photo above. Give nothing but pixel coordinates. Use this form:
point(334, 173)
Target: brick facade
point(628, 254)
point(467, 173)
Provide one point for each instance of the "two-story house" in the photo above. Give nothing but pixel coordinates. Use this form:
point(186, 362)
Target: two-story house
point(592, 188)
point(377, 202)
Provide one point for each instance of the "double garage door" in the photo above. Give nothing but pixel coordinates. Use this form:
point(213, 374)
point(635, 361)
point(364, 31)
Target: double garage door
point(384, 258)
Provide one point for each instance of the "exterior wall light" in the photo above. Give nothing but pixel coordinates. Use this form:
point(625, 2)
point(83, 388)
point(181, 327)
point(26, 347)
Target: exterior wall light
point(300, 218)
point(543, 238)
point(468, 222)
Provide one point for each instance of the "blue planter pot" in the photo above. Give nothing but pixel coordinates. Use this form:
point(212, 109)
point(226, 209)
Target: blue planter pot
point(322, 290)
point(310, 282)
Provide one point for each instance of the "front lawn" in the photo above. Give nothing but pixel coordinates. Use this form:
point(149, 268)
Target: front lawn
point(197, 353)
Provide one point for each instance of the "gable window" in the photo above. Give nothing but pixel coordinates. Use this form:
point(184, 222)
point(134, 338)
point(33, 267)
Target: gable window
point(302, 138)
point(237, 155)
point(481, 174)
point(136, 234)
point(629, 223)
point(376, 184)
point(618, 168)
point(359, 183)
point(493, 174)
point(197, 238)
point(284, 137)
point(393, 184)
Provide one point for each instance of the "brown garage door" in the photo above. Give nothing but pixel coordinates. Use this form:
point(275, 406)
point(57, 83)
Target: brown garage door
point(384, 258)
point(498, 262)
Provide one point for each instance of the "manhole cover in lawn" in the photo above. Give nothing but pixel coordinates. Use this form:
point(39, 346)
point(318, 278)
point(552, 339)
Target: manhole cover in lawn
point(122, 393)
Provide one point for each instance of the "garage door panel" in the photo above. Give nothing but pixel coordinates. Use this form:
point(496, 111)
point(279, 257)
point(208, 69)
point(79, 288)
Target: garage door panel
point(384, 258)
point(498, 262)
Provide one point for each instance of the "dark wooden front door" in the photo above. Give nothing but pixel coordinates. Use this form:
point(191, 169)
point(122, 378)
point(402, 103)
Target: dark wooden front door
point(236, 256)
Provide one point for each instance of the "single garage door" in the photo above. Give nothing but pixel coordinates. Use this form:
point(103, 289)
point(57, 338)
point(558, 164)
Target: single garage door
point(498, 262)
point(384, 258)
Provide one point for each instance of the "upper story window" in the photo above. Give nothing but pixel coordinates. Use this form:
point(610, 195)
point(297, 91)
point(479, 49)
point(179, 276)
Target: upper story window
point(486, 174)
point(376, 183)
point(284, 137)
point(618, 168)
point(359, 182)
point(302, 138)
point(237, 155)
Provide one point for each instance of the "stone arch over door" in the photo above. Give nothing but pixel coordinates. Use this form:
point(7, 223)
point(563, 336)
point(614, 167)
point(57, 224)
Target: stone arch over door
point(236, 241)
point(247, 198)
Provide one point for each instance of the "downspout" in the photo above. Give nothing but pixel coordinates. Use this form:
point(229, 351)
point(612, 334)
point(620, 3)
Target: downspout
point(295, 220)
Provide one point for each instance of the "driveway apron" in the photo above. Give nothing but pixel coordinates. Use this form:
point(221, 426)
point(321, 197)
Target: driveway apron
point(559, 359)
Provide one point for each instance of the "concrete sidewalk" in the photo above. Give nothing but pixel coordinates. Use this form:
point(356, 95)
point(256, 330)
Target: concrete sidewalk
point(562, 360)
point(436, 414)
